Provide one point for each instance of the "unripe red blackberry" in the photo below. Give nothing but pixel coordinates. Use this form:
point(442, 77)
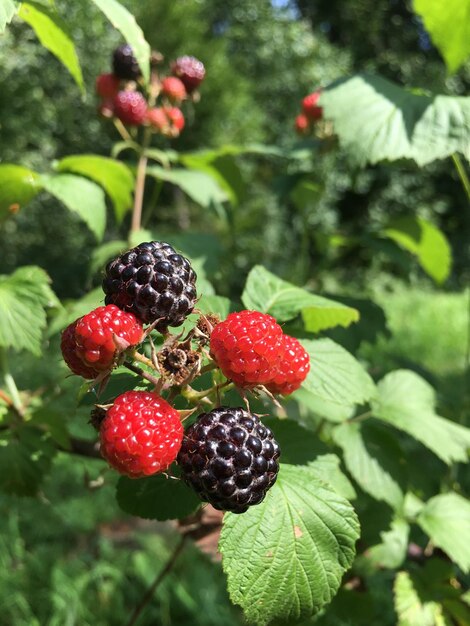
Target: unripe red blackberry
point(157, 118)
point(154, 282)
point(310, 106)
point(68, 348)
point(248, 347)
point(176, 118)
point(125, 64)
point(140, 434)
point(293, 368)
point(190, 71)
point(229, 458)
point(302, 124)
point(173, 88)
point(107, 86)
point(130, 107)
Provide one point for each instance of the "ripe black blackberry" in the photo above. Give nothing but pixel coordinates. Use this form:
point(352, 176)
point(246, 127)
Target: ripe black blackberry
point(154, 282)
point(125, 64)
point(229, 458)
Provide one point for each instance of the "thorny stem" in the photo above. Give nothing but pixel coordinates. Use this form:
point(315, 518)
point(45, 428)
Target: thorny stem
point(361, 417)
point(208, 368)
point(10, 384)
point(195, 396)
point(122, 130)
point(143, 359)
point(159, 578)
point(138, 370)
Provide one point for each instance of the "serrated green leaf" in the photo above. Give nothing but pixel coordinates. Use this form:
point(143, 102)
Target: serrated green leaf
point(446, 519)
point(426, 242)
point(299, 446)
point(104, 253)
point(24, 296)
point(407, 401)
point(377, 120)
point(156, 497)
point(199, 186)
point(326, 409)
point(75, 309)
point(335, 375)
point(25, 455)
point(327, 467)
point(125, 23)
point(448, 23)
point(18, 186)
point(52, 33)
point(411, 609)
point(115, 178)
point(81, 196)
point(267, 293)
point(366, 467)
point(8, 9)
point(391, 552)
point(285, 558)
point(214, 304)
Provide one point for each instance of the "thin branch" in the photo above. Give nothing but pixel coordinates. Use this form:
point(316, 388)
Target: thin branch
point(138, 370)
point(161, 575)
point(136, 224)
point(84, 447)
point(462, 174)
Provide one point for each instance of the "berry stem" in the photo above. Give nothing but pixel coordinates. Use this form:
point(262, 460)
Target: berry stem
point(136, 224)
point(138, 370)
point(161, 575)
point(143, 359)
point(122, 130)
point(10, 384)
point(209, 367)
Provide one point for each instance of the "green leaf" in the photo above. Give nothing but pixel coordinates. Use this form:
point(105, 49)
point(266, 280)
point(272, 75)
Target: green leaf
point(75, 309)
point(322, 408)
point(335, 375)
point(426, 242)
point(285, 558)
point(54, 423)
point(214, 304)
point(407, 401)
point(81, 196)
point(377, 120)
point(448, 23)
point(104, 253)
point(52, 33)
point(366, 466)
point(327, 467)
point(8, 9)
point(446, 519)
point(299, 446)
point(199, 186)
point(115, 178)
point(156, 497)
point(392, 551)
point(25, 455)
point(412, 610)
point(18, 186)
point(24, 295)
point(125, 23)
point(267, 293)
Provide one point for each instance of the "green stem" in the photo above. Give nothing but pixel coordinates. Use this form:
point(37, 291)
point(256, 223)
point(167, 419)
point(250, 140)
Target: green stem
point(462, 174)
point(9, 382)
point(136, 224)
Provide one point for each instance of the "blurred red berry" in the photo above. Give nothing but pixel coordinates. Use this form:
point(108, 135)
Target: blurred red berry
point(173, 88)
point(310, 106)
point(176, 118)
point(130, 107)
point(157, 118)
point(302, 124)
point(107, 86)
point(190, 71)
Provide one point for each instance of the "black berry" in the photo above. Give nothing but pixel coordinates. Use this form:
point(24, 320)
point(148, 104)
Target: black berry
point(125, 64)
point(154, 282)
point(229, 458)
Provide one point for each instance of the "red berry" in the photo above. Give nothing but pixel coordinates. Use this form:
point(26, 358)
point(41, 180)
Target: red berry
point(190, 71)
point(173, 88)
point(247, 347)
point(311, 107)
point(302, 124)
point(98, 337)
point(158, 119)
point(107, 86)
point(130, 107)
point(293, 369)
point(141, 434)
point(106, 108)
point(176, 118)
point(68, 348)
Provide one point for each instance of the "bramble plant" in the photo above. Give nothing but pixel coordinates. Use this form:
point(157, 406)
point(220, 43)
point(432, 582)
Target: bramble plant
point(327, 484)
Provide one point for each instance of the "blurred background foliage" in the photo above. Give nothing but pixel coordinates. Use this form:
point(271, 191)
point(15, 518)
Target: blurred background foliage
point(85, 562)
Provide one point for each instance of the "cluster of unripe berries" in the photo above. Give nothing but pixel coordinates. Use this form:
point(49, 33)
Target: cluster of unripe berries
point(311, 112)
point(227, 455)
point(121, 98)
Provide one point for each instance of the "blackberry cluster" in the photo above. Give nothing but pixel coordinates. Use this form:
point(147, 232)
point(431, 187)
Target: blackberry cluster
point(153, 282)
point(229, 458)
point(125, 64)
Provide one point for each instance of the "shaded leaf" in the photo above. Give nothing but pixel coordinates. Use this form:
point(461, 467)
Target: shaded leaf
point(81, 196)
point(125, 23)
point(115, 178)
point(327, 467)
point(199, 186)
point(52, 33)
point(285, 558)
point(391, 552)
point(75, 309)
point(104, 253)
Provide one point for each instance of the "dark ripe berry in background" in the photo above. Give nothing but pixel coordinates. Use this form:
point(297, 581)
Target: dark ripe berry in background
point(125, 65)
point(229, 458)
point(190, 71)
point(154, 282)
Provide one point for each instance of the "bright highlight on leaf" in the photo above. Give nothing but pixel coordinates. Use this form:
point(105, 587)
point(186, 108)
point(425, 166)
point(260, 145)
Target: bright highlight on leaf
point(285, 558)
point(267, 293)
point(376, 120)
point(8, 9)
